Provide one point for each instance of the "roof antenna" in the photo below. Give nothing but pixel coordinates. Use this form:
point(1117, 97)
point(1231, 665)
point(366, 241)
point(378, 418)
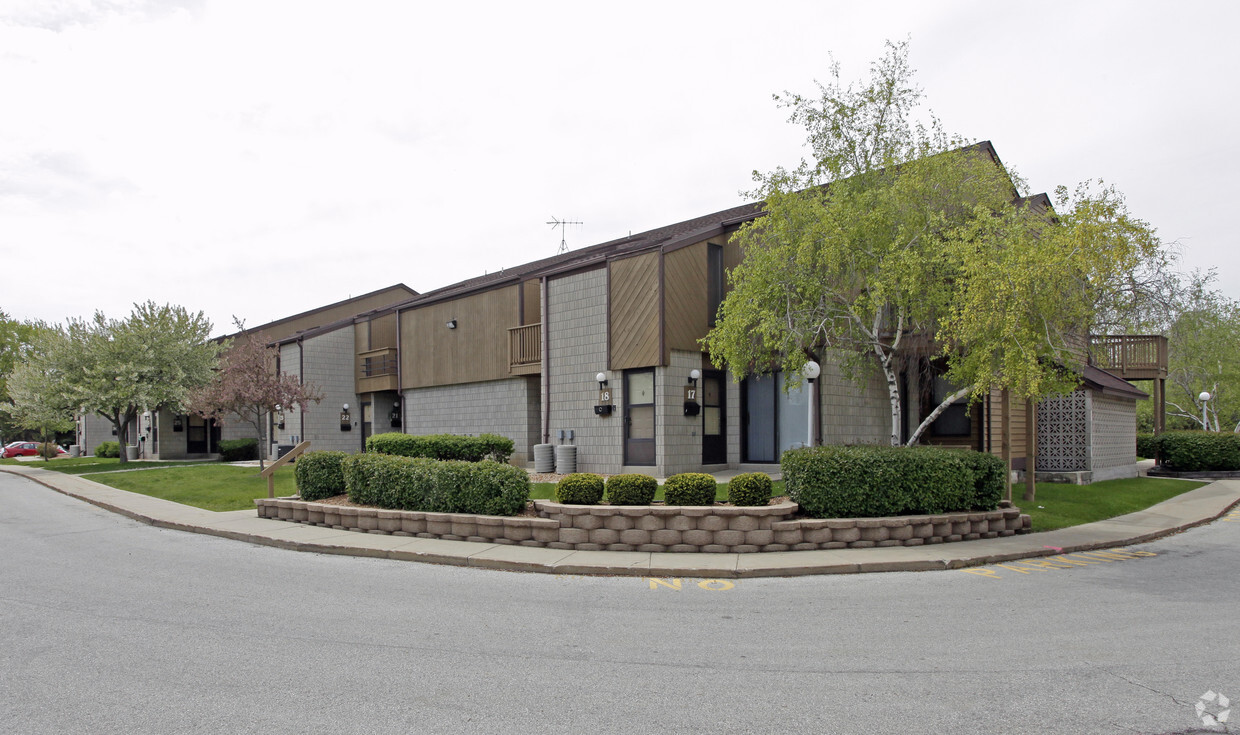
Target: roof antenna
point(563, 225)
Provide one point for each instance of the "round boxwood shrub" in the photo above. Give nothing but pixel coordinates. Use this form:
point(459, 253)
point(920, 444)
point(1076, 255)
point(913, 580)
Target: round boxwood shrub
point(581, 488)
point(631, 489)
point(751, 488)
point(689, 488)
point(108, 449)
point(319, 475)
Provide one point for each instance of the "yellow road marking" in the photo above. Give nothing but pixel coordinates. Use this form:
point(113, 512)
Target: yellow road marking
point(677, 584)
point(1060, 562)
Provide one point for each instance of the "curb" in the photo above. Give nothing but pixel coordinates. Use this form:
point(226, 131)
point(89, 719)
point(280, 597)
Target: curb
point(1194, 508)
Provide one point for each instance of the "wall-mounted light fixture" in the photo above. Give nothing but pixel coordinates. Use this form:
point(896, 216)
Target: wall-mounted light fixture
point(451, 324)
point(604, 406)
point(279, 417)
point(692, 405)
point(346, 421)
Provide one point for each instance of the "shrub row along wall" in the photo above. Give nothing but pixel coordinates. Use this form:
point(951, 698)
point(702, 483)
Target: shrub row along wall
point(722, 529)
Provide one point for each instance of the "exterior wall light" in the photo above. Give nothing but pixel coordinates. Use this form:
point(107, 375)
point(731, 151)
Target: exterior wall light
point(451, 324)
point(346, 421)
point(279, 417)
point(604, 406)
point(692, 406)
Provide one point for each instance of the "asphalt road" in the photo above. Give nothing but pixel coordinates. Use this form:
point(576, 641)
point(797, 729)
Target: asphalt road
point(111, 626)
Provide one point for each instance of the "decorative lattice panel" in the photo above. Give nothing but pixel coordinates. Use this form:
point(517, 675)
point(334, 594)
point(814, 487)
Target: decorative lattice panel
point(1063, 433)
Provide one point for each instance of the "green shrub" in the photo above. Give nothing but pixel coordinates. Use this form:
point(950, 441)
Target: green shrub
point(1146, 446)
point(420, 484)
point(689, 488)
point(989, 479)
point(581, 488)
point(108, 449)
point(238, 450)
point(869, 481)
point(1199, 451)
point(443, 446)
point(751, 488)
point(631, 489)
point(319, 475)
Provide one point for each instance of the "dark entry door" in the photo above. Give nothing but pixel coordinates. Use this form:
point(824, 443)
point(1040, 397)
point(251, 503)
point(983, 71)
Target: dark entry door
point(195, 435)
point(639, 417)
point(714, 419)
point(759, 418)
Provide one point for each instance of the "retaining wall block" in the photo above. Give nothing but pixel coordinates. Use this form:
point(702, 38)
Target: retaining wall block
point(635, 537)
point(730, 538)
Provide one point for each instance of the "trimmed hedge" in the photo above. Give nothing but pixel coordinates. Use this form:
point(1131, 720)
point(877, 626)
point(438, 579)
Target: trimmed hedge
point(420, 484)
point(751, 488)
point(631, 489)
point(108, 449)
point(238, 450)
point(1146, 446)
point(1199, 451)
point(581, 488)
point(442, 446)
point(872, 481)
point(689, 488)
point(319, 475)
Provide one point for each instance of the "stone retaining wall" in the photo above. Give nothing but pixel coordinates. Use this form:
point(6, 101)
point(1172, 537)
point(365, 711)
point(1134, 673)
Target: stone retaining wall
point(721, 529)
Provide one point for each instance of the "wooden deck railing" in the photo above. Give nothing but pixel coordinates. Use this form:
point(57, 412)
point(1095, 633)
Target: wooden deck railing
point(525, 348)
point(269, 472)
point(377, 362)
point(1131, 356)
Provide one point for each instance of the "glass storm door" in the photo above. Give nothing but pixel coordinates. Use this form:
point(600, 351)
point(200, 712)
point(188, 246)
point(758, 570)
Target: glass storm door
point(714, 424)
point(639, 417)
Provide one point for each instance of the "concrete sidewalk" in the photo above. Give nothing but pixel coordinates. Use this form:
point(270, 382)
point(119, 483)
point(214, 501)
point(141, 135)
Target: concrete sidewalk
point(1184, 511)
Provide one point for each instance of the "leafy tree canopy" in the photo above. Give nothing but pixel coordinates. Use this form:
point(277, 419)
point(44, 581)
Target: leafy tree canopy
point(898, 243)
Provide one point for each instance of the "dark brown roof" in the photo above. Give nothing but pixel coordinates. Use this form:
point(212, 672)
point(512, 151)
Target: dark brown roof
point(1101, 380)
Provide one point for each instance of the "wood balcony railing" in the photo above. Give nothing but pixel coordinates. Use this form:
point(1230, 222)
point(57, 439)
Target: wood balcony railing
point(525, 349)
point(377, 370)
point(1130, 356)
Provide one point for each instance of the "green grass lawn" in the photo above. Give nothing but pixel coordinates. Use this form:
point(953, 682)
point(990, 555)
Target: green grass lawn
point(84, 465)
point(213, 486)
point(1059, 506)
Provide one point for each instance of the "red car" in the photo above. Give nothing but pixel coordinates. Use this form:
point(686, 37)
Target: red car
point(25, 449)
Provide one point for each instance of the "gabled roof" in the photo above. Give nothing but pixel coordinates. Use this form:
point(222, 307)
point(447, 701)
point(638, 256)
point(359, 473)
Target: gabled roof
point(1108, 384)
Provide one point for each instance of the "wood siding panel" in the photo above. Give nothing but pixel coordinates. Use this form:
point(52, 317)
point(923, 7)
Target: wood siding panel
point(383, 332)
point(328, 315)
point(1017, 413)
point(685, 289)
point(634, 312)
point(533, 302)
point(361, 338)
point(477, 350)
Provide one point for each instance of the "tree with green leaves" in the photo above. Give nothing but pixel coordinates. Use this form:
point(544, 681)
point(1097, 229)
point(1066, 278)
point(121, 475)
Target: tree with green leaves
point(36, 403)
point(898, 243)
point(17, 340)
point(118, 369)
point(1204, 355)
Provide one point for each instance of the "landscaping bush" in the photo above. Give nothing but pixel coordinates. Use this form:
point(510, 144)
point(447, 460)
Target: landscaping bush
point(1146, 447)
point(751, 488)
point(989, 479)
point(319, 475)
point(1199, 451)
point(238, 450)
point(442, 446)
point(631, 489)
point(689, 488)
point(869, 481)
point(581, 488)
point(108, 449)
point(48, 450)
point(421, 484)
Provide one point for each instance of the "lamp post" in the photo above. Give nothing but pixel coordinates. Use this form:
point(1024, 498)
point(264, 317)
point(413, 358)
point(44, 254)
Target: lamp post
point(1204, 398)
point(811, 371)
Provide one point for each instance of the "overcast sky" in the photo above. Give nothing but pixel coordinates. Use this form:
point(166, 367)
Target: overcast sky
point(259, 158)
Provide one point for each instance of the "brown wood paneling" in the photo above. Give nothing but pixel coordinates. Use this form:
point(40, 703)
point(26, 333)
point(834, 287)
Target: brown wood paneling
point(361, 337)
point(533, 302)
point(432, 354)
point(634, 312)
point(684, 289)
point(1016, 412)
point(383, 331)
point(731, 258)
point(328, 314)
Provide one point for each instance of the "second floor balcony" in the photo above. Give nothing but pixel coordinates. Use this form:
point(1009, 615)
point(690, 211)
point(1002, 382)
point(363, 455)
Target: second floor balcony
point(1130, 356)
point(377, 370)
point(525, 350)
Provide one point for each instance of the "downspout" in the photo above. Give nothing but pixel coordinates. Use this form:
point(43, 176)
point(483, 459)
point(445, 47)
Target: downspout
point(546, 362)
point(301, 380)
point(400, 383)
